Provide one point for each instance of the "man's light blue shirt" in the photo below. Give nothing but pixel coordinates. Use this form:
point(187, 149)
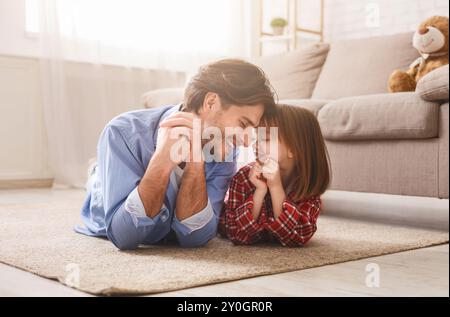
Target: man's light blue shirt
point(113, 208)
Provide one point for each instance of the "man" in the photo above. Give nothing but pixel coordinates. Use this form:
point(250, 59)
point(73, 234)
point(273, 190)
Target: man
point(140, 193)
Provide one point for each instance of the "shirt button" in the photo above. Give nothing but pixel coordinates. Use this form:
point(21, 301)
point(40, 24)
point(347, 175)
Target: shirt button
point(96, 197)
point(130, 207)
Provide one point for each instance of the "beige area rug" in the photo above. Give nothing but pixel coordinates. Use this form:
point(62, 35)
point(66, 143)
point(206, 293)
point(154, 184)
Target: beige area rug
point(39, 238)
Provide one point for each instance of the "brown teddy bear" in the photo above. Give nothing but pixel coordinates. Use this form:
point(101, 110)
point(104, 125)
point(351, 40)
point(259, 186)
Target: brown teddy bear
point(431, 40)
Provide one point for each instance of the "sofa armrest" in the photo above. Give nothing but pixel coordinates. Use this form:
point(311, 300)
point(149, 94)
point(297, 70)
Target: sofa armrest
point(435, 85)
point(162, 97)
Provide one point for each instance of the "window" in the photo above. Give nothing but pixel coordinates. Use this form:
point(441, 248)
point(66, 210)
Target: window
point(32, 16)
point(145, 25)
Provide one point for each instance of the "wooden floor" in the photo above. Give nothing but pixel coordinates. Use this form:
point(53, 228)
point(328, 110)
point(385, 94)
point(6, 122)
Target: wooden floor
point(422, 272)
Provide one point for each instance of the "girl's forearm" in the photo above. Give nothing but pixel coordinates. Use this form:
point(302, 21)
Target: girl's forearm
point(258, 200)
point(277, 196)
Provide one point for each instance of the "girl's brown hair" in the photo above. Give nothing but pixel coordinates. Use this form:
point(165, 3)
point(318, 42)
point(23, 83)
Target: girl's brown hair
point(300, 131)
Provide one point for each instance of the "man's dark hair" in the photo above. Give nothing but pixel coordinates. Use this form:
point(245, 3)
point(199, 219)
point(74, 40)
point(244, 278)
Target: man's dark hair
point(235, 81)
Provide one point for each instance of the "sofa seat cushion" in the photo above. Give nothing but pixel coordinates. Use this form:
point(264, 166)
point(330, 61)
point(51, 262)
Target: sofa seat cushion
point(434, 86)
point(384, 116)
point(314, 105)
point(363, 66)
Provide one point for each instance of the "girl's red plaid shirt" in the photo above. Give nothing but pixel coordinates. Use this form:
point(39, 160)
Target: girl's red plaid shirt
point(294, 227)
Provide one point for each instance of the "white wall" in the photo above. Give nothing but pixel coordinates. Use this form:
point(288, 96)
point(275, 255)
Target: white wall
point(346, 19)
point(364, 18)
point(23, 141)
point(23, 136)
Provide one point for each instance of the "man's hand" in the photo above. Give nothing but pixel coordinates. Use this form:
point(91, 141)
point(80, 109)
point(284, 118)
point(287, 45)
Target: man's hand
point(153, 185)
point(179, 138)
point(192, 196)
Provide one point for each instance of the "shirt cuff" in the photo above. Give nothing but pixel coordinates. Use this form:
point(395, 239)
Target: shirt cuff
point(135, 207)
point(194, 222)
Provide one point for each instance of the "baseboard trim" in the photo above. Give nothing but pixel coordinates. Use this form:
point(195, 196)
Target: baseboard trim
point(26, 183)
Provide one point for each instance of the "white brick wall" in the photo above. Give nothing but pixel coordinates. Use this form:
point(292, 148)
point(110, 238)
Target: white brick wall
point(364, 18)
point(358, 18)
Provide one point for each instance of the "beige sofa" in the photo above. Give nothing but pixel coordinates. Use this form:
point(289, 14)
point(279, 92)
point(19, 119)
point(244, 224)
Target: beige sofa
point(389, 152)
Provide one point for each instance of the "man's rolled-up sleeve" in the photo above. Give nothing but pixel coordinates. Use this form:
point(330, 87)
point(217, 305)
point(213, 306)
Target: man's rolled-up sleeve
point(200, 228)
point(197, 221)
point(135, 207)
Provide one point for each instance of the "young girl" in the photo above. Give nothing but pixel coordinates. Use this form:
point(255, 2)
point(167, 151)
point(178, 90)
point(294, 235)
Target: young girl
point(278, 199)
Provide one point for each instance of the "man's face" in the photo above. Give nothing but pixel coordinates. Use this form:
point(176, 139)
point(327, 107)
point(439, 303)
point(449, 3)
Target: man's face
point(239, 119)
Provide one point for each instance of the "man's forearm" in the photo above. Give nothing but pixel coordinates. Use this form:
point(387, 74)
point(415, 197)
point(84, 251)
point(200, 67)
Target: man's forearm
point(153, 186)
point(192, 196)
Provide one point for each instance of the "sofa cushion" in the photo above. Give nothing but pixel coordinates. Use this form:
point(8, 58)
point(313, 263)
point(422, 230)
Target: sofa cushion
point(162, 97)
point(434, 86)
point(311, 104)
point(387, 116)
point(294, 74)
point(363, 66)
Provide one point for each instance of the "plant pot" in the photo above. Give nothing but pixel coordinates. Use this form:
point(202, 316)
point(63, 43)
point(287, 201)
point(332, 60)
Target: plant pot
point(278, 30)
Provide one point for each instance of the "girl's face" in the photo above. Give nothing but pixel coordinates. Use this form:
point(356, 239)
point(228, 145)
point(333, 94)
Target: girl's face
point(269, 146)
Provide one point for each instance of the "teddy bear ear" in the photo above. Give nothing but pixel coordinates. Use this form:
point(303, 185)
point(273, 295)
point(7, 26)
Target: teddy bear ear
point(440, 22)
point(435, 21)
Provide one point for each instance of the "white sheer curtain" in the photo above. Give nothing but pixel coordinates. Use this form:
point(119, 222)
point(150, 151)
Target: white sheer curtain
point(99, 56)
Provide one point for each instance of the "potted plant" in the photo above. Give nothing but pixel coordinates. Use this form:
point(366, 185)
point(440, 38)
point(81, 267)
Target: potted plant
point(278, 25)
